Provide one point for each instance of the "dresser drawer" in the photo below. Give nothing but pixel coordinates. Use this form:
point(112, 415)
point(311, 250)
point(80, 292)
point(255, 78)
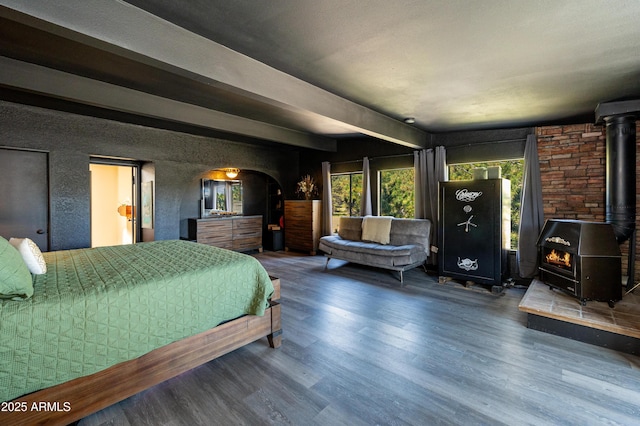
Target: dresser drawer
point(249, 226)
point(247, 243)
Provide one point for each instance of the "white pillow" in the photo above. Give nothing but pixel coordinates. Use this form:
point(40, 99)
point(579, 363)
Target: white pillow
point(31, 254)
point(376, 229)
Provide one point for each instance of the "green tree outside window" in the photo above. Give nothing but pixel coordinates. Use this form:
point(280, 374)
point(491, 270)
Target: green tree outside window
point(397, 192)
point(346, 193)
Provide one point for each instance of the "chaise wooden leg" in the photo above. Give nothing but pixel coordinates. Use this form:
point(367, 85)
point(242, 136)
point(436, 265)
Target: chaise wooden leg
point(326, 265)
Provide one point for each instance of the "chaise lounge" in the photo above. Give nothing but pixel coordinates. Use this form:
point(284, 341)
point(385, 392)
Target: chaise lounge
point(383, 242)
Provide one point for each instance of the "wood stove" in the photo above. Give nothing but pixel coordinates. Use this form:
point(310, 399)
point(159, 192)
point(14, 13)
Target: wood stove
point(582, 259)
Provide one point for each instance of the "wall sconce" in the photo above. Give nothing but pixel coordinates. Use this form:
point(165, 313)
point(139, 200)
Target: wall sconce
point(126, 210)
point(231, 172)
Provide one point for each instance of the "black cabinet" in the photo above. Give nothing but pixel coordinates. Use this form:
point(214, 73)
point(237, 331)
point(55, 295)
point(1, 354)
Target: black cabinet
point(474, 230)
point(275, 240)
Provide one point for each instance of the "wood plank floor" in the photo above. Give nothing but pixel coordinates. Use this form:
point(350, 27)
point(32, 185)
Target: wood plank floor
point(360, 350)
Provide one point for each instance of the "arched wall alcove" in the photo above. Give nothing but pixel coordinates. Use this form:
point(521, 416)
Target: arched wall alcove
point(258, 189)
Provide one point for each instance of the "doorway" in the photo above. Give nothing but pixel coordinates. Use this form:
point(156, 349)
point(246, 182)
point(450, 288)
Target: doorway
point(24, 195)
point(114, 201)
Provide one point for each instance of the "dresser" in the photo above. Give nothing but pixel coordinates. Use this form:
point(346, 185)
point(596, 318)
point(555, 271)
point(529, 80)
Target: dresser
point(474, 230)
point(241, 233)
point(302, 225)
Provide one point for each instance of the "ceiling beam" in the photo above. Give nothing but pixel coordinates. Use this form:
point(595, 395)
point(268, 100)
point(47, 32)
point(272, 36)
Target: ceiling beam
point(41, 80)
point(116, 25)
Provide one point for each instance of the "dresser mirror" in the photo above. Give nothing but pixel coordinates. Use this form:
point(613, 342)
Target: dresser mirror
point(221, 198)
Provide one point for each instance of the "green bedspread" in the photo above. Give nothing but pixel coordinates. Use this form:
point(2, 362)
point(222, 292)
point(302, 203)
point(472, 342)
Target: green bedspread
point(97, 307)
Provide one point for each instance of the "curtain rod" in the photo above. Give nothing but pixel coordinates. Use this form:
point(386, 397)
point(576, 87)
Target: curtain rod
point(373, 158)
point(446, 147)
point(486, 143)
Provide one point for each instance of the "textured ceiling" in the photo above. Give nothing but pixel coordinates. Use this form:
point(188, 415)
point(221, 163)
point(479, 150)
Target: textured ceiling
point(337, 68)
point(451, 64)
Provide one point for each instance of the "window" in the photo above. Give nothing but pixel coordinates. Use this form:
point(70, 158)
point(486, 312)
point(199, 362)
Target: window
point(512, 170)
point(397, 192)
point(346, 193)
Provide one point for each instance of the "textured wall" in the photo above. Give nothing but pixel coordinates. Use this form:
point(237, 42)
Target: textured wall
point(178, 159)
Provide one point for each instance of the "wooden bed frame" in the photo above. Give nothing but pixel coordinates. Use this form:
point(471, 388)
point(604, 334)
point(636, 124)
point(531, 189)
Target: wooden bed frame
point(78, 398)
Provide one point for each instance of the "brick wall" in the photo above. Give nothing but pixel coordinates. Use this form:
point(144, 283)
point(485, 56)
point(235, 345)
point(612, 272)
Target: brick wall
point(572, 169)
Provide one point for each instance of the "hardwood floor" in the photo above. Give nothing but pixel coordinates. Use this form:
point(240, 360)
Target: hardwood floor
point(358, 349)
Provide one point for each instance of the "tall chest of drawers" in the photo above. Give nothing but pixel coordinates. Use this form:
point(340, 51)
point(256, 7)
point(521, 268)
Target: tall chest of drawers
point(302, 225)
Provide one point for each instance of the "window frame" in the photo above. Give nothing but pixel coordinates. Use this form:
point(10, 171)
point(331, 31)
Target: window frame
point(353, 210)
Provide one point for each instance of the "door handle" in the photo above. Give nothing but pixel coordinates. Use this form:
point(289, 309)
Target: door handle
point(40, 231)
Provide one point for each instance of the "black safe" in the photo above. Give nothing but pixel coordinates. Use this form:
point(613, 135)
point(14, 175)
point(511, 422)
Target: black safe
point(474, 232)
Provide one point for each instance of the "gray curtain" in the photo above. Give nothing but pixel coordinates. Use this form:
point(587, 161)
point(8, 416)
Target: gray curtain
point(327, 204)
point(365, 202)
point(420, 183)
point(531, 211)
point(430, 167)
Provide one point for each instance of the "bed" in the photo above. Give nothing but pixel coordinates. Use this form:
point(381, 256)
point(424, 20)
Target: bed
point(105, 323)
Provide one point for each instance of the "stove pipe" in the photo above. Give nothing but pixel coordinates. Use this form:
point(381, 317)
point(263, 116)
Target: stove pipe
point(620, 196)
